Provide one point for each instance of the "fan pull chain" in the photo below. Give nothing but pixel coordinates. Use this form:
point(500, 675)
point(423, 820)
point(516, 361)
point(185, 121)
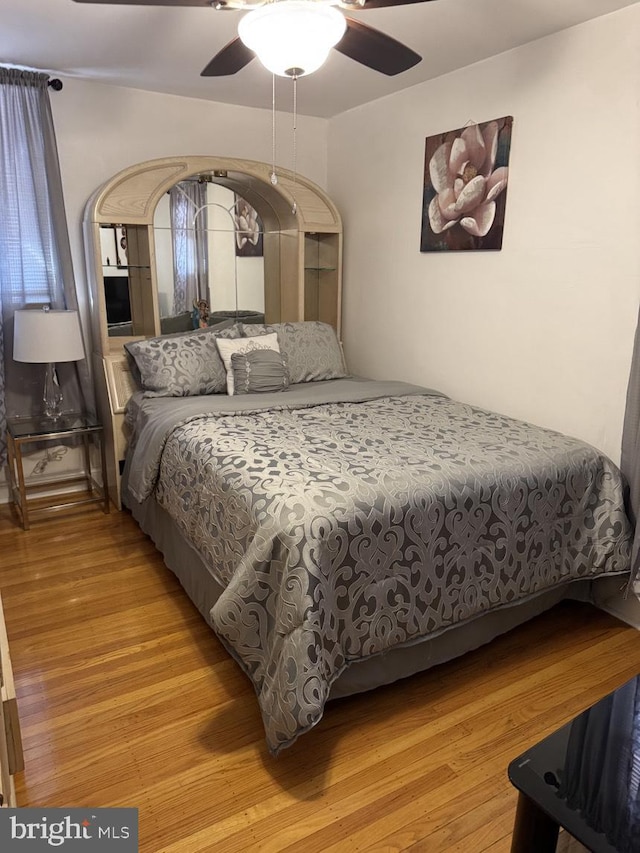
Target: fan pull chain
point(274, 177)
point(295, 147)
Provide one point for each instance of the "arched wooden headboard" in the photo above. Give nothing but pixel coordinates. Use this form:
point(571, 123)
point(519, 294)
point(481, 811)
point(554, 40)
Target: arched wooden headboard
point(302, 262)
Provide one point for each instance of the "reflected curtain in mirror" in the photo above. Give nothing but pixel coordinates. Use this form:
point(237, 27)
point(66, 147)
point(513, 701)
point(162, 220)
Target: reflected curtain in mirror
point(188, 213)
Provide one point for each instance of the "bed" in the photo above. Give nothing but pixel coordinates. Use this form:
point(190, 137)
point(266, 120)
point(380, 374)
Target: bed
point(340, 533)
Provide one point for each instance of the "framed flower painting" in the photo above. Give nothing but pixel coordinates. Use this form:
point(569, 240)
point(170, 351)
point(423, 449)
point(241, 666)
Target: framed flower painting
point(466, 172)
point(249, 230)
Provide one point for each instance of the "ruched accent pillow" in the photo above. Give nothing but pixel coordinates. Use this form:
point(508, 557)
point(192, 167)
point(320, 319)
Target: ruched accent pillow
point(227, 348)
point(259, 371)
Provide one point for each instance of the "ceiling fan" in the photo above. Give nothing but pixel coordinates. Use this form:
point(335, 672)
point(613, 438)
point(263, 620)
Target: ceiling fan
point(284, 34)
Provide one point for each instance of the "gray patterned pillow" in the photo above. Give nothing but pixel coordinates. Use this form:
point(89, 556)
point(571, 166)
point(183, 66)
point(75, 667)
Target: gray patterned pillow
point(258, 371)
point(311, 349)
point(183, 365)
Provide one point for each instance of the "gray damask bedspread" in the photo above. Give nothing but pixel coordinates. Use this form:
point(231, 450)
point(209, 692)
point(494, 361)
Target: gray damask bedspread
point(342, 528)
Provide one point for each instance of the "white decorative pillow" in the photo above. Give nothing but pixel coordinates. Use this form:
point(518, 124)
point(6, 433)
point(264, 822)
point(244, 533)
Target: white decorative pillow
point(226, 348)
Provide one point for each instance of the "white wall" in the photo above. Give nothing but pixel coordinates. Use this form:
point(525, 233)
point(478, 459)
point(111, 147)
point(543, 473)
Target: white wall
point(543, 329)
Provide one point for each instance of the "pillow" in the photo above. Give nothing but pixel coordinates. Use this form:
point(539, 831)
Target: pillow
point(182, 365)
point(226, 348)
point(311, 349)
point(237, 316)
point(176, 323)
point(258, 371)
point(181, 324)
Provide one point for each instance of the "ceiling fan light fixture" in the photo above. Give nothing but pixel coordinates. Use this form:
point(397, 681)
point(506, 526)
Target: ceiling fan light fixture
point(292, 37)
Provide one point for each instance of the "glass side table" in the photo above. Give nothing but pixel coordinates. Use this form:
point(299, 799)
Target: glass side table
point(50, 495)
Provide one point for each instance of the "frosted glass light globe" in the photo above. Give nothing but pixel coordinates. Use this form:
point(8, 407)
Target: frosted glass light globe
point(292, 37)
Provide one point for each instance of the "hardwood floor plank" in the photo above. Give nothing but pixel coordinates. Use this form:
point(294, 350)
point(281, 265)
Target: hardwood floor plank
point(502, 845)
point(481, 826)
point(126, 698)
point(450, 805)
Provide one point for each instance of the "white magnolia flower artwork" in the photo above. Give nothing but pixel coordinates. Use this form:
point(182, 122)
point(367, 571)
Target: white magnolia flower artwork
point(466, 177)
point(248, 230)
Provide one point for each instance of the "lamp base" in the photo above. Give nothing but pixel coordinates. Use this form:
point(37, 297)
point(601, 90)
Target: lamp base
point(52, 395)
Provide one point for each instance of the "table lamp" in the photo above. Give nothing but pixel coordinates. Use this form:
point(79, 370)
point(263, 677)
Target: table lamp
point(45, 337)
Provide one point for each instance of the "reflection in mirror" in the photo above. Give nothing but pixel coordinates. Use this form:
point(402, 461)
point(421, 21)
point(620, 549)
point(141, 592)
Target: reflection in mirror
point(208, 245)
point(115, 273)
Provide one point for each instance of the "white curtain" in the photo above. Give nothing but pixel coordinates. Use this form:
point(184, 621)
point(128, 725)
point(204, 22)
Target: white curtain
point(35, 257)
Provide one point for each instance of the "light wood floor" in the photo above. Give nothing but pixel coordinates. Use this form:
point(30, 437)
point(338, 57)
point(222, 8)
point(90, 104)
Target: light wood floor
point(126, 698)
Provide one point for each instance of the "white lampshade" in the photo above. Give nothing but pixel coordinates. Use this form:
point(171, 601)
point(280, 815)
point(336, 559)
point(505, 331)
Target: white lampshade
point(47, 336)
point(292, 38)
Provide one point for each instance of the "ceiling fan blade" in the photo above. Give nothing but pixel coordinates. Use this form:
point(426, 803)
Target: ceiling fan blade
point(381, 4)
point(376, 50)
point(149, 2)
point(232, 58)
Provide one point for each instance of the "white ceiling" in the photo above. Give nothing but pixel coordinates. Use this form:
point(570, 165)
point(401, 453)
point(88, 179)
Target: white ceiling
point(164, 49)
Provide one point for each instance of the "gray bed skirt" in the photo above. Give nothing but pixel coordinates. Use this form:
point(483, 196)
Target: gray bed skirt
point(203, 590)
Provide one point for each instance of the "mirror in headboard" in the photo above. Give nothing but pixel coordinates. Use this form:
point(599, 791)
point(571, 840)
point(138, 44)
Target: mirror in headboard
point(292, 269)
point(209, 244)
